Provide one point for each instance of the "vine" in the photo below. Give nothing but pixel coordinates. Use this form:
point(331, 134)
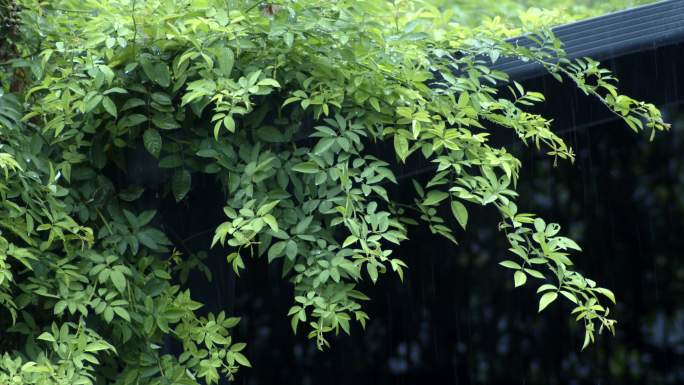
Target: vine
point(279, 106)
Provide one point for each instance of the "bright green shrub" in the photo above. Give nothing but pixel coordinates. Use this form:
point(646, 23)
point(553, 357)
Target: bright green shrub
point(228, 88)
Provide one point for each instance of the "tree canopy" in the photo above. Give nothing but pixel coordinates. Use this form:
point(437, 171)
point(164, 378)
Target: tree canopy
point(279, 102)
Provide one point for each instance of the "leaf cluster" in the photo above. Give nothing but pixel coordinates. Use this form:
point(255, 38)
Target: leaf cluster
point(281, 104)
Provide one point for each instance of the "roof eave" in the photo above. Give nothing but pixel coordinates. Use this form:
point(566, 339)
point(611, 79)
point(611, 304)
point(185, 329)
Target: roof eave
point(644, 28)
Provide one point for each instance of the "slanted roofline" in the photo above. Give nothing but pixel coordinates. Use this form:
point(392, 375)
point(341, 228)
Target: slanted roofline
point(639, 29)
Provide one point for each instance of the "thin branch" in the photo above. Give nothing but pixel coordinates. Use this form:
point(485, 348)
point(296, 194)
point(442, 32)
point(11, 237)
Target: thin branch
point(258, 3)
point(135, 27)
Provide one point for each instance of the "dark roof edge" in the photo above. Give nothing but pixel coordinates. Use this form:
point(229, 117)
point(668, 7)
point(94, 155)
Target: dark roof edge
point(643, 28)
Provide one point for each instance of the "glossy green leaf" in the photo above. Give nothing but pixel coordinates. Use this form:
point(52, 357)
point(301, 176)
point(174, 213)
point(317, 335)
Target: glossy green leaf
point(460, 213)
point(510, 265)
point(546, 299)
point(519, 278)
point(118, 280)
point(152, 141)
point(434, 197)
point(226, 60)
point(306, 168)
point(180, 184)
point(109, 106)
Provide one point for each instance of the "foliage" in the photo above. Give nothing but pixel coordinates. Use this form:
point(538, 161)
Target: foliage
point(474, 12)
point(279, 103)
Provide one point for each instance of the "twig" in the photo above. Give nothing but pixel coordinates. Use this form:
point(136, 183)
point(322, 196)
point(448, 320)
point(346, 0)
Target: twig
point(258, 3)
point(135, 26)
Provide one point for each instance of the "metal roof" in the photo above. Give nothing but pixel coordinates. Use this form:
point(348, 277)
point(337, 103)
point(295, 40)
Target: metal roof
point(609, 36)
point(643, 46)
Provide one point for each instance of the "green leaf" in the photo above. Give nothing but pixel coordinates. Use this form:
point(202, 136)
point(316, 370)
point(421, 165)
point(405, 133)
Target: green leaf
point(323, 145)
point(45, 336)
point(123, 313)
point(306, 168)
point(460, 213)
point(289, 39)
point(109, 106)
point(291, 249)
point(171, 161)
point(107, 72)
point(152, 141)
point(271, 222)
point(92, 102)
point(148, 66)
point(145, 217)
point(570, 296)
point(519, 278)
point(401, 146)
point(161, 98)
point(236, 260)
point(231, 322)
point(132, 103)
point(131, 194)
point(588, 337)
point(269, 82)
point(545, 287)
point(97, 346)
point(434, 197)
point(238, 347)
point(132, 120)
point(510, 264)
point(225, 59)
point(151, 238)
point(229, 122)
point(546, 299)
point(108, 314)
point(372, 271)
point(118, 279)
point(534, 273)
point(165, 122)
point(265, 209)
point(162, 75)
point(609, 294)
point(290, 100)
point(568, 243)
point(242, 360)
point(374, 103)
point(157, 72)
point(349, 240)
point(180, 184)
point(276, 250)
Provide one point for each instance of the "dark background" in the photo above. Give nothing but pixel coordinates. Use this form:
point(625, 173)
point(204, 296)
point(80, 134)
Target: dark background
point(456, 319)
